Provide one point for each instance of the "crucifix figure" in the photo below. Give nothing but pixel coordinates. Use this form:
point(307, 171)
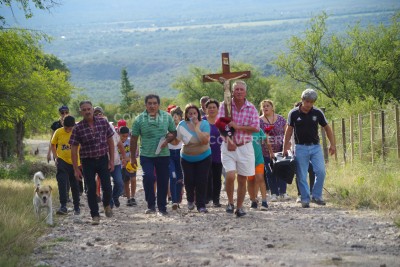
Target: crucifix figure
point(224, 78)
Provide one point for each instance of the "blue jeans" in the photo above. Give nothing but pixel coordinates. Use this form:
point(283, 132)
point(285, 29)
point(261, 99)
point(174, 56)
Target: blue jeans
point(304, 156)
point(65, 176)
point(90, 167)
point(161, 167)
point(276, 185)
point(118, 183)
point(175, 181)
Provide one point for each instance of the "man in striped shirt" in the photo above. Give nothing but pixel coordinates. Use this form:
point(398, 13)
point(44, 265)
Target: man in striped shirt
point(152, 126)
point(237, 153)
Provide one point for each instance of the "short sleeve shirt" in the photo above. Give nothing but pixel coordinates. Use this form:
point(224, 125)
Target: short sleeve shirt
point(192, 149)
point(258, 140)
point(246, 116)
point(306, 125)
point(61, 140)
point(151, 130)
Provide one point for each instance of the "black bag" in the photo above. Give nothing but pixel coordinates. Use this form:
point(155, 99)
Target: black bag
point(284, 168)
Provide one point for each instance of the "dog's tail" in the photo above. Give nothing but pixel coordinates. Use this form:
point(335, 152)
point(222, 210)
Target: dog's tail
point(37, 177)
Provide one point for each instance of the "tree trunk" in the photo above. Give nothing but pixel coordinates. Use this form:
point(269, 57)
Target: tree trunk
point(19, 134)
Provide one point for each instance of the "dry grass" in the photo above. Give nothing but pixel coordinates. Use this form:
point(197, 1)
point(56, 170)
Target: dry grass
point(19, 227)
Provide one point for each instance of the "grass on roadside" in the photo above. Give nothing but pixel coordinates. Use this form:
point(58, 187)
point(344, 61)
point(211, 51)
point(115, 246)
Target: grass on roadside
point(361, 185)
point(19, 227)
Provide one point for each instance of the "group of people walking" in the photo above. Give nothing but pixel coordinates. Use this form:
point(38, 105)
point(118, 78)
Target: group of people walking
point(187, 151)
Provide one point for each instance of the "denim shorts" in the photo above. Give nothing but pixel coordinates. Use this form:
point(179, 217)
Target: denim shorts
point(127, 176)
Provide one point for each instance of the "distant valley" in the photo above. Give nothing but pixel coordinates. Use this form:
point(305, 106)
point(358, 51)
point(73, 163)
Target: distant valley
point(157, 49)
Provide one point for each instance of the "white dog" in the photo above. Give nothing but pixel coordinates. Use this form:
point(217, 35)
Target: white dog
point(42, 198)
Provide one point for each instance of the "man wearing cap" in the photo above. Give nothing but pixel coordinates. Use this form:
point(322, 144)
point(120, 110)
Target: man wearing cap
point(95, 137)
point(63, 111)
point(303, 121)
point(237, 152)
point(152, 126)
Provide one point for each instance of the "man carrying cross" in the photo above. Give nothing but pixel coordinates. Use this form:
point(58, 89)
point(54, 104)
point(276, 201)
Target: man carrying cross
point(237, 153)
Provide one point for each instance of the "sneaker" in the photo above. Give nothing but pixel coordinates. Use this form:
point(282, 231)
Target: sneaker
point(174, 206)
point(108, 211)
point(305, 204)
point(240, 212)
point(77, 211)
point(150, 211)
point(254, 205)
point(298, 199)
point(203, 210)
point(162, 213)
point(230, 208)
point(133, 202)
point(264, 205)
point(285, 197)
point(117, 203)
point(318, 201)
point(62, 211)
point(190, 205)
point(217, 205)
point(96, 220)
point(274, 198)
point(129, 203)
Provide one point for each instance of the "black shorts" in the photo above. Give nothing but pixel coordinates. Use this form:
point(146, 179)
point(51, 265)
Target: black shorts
point(127, 176)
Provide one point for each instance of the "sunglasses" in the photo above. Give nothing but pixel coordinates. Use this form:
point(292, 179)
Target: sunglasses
point(98, 113)
point(64, 112)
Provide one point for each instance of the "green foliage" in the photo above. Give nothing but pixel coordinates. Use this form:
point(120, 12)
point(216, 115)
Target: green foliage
point(191, 88)
point(131, 102)
point(362, 64)
point(26, 6)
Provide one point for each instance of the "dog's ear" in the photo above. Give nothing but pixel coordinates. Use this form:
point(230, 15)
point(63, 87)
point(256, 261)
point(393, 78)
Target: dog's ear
point(37, 189)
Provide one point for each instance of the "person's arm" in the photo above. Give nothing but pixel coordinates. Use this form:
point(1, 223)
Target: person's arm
point(133, 148)
point(74, 158)
point(121, 148)
point(50, 149)
point(286, 140)
point(110, 143)
point(54, 151)
point(329, 134)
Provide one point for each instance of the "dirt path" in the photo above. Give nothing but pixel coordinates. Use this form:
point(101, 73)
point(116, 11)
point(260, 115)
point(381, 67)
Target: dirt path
point(285, 235)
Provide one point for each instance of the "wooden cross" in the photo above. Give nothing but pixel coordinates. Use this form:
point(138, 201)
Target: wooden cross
point(224, 78)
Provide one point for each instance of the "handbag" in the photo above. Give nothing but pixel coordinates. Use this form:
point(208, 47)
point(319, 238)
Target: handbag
point(283, 168)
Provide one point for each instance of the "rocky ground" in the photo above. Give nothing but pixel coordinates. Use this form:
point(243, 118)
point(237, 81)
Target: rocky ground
point(285, 235)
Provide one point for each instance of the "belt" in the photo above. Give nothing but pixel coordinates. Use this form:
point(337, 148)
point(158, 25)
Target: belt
point(241, 144)
point(307, 144)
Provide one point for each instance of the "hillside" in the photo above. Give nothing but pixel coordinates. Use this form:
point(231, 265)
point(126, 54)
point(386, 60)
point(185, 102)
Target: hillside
point(158, 40)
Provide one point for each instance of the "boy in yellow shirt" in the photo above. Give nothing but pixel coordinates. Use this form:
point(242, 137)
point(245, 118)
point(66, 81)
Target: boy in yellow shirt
point(65, 171)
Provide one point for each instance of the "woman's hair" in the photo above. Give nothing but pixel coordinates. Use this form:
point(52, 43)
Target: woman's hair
point(212, 101)
point(190, 106)
point(266, 101)
point(176, 110)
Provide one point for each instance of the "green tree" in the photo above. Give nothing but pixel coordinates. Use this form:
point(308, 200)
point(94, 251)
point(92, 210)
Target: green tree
point(126, 90)
point(25, 5)
point(362, 63)
point(131, 100)
point(30, 92)
point(191, 88)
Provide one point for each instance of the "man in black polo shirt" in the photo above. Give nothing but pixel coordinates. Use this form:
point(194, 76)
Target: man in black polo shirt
point(303, 122)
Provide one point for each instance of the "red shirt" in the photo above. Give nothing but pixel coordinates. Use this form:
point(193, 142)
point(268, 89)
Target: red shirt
point(93, 141)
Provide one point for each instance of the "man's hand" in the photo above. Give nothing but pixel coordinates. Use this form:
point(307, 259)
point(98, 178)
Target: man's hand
point(332, 150)
point(111, 166)
point(48, 156)
point(78, 174)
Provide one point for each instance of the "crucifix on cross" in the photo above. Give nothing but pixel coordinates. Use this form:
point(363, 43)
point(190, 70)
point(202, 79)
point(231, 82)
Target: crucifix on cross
point(224, 78)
